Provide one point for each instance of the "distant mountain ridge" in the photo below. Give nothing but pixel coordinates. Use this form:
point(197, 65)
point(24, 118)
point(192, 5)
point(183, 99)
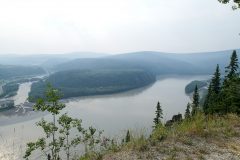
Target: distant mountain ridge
point(83, 75)
point(14, 71)
point(45, 60)
point(155, 62)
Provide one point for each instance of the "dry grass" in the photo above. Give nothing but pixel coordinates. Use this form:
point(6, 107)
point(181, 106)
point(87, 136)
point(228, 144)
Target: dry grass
point(201, 126)
point(202, 137)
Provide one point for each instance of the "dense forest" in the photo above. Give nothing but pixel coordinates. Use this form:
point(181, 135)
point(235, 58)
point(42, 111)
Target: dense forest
point(75, 83)
point(13, 71)
point(9, 90)
point(224, 94)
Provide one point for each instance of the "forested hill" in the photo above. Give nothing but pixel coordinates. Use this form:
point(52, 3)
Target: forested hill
point(14, 71)
point(45, 60)
point(88, 82)
point(116, 73)
point(155, 62)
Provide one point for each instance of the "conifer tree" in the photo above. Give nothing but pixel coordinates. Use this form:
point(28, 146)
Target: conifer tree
point(213, 93)
point(159, 115)
point(207, 101)
point(195, 104)
point(224, 99)
point(230, 91)
point(232, 68)
point(187, 112)
point(232, 98)
point(216, 81)
point(128, 137)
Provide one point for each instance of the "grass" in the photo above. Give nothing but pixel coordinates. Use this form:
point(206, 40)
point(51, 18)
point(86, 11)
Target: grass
point(138, 143)
point(201, 126)
point(169, 140)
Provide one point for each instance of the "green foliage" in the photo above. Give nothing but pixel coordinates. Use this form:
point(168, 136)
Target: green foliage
point(138, 141)
point(230, 90)
point(195, 104)
point(214, 90)
point(159, 133)
point(51, 102)
point(91, 156)
point(91, 138)
point(128, 137)
point(208, 100)
point(224, 98)
point(187, 112)
point(199, 125)
point(236, 2)
point(52, 105)
point(194, 126)
point(229, 99)
point(232, 68)
point(39, 144)
point(12, 72)
point(58, 139)
point(88, 82)
point(67, 123)
point(208, 126)
point(159, 115)
point(216, 81)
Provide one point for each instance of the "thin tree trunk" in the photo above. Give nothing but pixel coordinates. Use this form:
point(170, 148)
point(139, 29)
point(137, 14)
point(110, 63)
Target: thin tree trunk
point(68, 153)
point(54, 147)
point(49, 157)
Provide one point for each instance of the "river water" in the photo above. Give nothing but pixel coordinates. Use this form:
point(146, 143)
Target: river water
point(112, 113)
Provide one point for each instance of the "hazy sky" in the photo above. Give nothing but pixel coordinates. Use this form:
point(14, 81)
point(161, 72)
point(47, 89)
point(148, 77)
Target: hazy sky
point(114, 26)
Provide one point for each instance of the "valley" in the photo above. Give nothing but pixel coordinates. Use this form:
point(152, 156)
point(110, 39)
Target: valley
point(114, 113)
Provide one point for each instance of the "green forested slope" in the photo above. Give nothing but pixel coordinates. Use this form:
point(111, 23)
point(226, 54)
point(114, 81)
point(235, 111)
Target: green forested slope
point(87, 82)
point(156, 62)
point(13, 71)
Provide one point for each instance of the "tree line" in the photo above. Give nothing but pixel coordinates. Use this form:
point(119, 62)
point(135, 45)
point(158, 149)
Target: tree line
point(224, 91)
point(223, 94)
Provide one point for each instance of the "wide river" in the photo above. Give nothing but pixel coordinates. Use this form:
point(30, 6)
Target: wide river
point(112, 113)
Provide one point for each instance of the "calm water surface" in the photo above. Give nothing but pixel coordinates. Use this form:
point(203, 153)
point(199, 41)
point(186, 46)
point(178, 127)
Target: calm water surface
point(111, 113)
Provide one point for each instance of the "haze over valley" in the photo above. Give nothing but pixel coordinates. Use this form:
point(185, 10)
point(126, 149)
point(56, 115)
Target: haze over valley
point(119, 80)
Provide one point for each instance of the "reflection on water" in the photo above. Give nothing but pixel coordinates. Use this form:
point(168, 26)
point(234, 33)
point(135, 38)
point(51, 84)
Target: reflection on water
point(112, 113)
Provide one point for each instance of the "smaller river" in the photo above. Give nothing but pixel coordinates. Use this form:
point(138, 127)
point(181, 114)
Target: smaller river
point(22, 93)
